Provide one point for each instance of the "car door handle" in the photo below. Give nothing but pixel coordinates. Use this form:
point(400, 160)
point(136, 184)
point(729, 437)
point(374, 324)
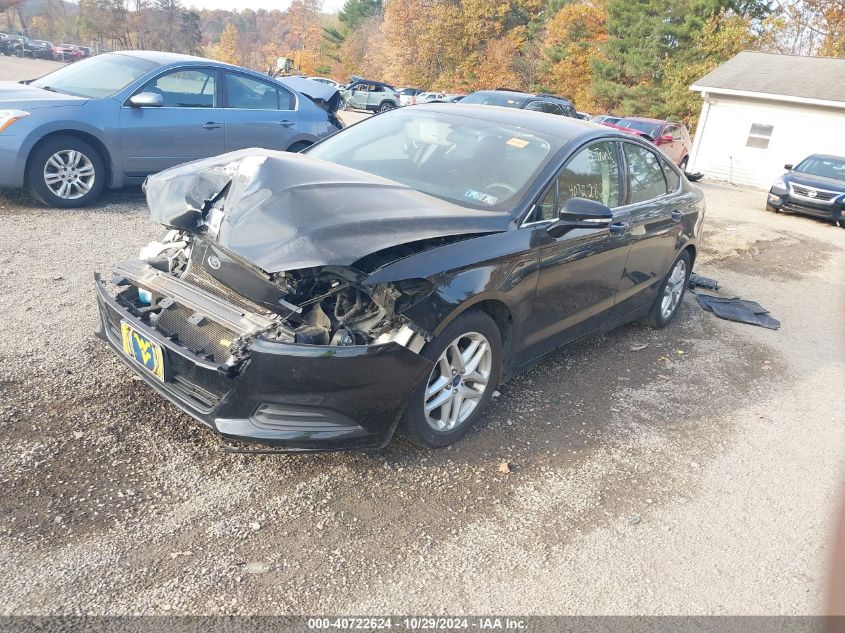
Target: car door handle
point(620, 228)
point(211, 125)
point(677, 216)
point(286, 123)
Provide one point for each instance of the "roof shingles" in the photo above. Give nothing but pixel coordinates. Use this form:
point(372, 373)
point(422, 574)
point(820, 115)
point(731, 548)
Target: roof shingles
point(789, 75)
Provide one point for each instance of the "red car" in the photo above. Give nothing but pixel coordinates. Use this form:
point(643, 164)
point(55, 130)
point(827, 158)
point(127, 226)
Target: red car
point(68, 53)
point(672, 138)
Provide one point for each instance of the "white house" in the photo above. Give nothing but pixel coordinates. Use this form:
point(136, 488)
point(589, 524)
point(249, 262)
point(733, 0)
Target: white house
point(763, 110)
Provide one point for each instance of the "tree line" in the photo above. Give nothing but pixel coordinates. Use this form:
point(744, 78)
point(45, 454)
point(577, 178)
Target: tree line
point(619, 56)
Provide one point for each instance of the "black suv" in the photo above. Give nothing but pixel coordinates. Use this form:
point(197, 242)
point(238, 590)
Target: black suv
point(18, 45)
point(551, 104)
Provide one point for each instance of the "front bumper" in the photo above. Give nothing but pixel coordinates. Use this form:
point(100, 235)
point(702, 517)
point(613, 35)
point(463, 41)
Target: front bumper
point(12, 160)
point(787, 201)
point(289, 396)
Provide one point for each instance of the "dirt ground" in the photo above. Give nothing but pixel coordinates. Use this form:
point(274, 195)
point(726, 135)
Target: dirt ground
point(695, 469)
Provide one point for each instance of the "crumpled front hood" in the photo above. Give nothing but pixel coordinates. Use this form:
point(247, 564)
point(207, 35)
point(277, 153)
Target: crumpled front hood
point(24, 97)
point(287, 211)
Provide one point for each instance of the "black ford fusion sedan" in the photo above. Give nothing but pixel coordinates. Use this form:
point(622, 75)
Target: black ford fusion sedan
point(815, 186)
point(391, 276)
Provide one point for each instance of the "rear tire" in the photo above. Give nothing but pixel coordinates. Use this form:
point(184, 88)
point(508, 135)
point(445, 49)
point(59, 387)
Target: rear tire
point(385, 106)
point(684, 163)
point(65, 172)
point(465, 387)
point(671, 293)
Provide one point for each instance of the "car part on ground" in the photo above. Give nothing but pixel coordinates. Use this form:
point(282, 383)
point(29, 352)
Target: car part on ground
point(816, 187)
point(317, 301)
point(736, 309)
point(700, 281)
point(139, 112)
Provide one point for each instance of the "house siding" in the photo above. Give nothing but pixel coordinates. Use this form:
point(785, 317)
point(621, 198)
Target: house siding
point(720, 151)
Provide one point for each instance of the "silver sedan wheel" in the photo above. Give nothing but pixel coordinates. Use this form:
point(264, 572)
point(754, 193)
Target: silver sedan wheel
point(674, 289)
point(458, 381)
point(69, 174)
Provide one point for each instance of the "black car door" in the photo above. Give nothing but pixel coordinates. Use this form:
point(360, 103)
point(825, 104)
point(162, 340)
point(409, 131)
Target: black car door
point(579, 271)
point(654, 210)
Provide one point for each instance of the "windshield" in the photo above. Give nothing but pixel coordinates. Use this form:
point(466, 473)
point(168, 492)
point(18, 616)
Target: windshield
point(463, 160)
point(824, 166)
point(96, 77)
point(652, 129)
point(494, 98)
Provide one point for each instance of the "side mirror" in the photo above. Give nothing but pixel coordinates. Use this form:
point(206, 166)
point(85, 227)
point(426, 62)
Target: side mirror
point(146, 100)
point(788, 166)
point(666, 138)
point(580, 213)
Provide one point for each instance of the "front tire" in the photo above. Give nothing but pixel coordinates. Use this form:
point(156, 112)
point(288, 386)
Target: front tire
point(671, 293)
point(467, 359)
point(65, 172)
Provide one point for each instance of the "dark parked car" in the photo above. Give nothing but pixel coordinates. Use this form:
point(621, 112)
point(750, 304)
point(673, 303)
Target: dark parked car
point(19, 46)
point(110, 120)
point(549, 104)
point(815, 186)
point(391, 275)
point(42, 49)
point(672, 138)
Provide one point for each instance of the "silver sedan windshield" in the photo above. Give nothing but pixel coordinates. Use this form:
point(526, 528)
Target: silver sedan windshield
point(96, 77)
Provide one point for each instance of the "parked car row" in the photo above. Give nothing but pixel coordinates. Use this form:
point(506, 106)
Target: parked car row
point(22, 46)
point(672, 138)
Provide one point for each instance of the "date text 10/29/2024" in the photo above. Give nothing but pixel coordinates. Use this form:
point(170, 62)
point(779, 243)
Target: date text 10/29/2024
point(417, 624)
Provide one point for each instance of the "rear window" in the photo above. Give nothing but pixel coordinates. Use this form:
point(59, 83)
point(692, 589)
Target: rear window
point(652, 129)
point(494, 98)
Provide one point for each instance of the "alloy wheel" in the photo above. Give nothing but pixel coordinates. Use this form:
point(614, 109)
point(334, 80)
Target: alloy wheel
point(673, 290)
point(69, 174)
point(458, 381)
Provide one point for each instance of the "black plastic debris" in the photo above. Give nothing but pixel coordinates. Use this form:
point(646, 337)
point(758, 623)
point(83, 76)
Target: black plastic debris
point(694, 177)
point(700, 281)
point(740, 310)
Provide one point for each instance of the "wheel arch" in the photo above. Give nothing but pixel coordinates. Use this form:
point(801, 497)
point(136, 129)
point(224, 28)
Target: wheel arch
point(91, 139)
point(501, 314)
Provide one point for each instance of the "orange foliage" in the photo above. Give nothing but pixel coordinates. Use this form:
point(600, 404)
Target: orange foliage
point(573, 38)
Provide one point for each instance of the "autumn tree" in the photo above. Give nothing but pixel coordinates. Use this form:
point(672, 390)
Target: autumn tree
point(573, 42)
point(723, 36)
point(227, 49)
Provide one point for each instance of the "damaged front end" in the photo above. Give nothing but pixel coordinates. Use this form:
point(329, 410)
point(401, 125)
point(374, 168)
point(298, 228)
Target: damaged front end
point(255, 313)
point(305, 360)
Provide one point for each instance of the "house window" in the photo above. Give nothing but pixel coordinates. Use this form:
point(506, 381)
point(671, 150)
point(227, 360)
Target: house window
point(759, 135)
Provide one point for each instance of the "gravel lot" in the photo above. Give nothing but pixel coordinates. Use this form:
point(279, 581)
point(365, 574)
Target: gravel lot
point(691, 470)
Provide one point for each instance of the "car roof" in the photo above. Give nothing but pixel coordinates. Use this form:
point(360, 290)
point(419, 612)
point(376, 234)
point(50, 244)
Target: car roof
point(561, 127)
point(160, 57)
point(648, 120)
point(524, 95)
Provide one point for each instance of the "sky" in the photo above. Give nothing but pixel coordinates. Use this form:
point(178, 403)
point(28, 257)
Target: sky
point(329, 6)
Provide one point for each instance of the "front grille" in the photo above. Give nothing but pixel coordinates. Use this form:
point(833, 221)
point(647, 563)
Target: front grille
point(820, 213)
point(821, 196)
point(199, 277)
point(208, 339)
